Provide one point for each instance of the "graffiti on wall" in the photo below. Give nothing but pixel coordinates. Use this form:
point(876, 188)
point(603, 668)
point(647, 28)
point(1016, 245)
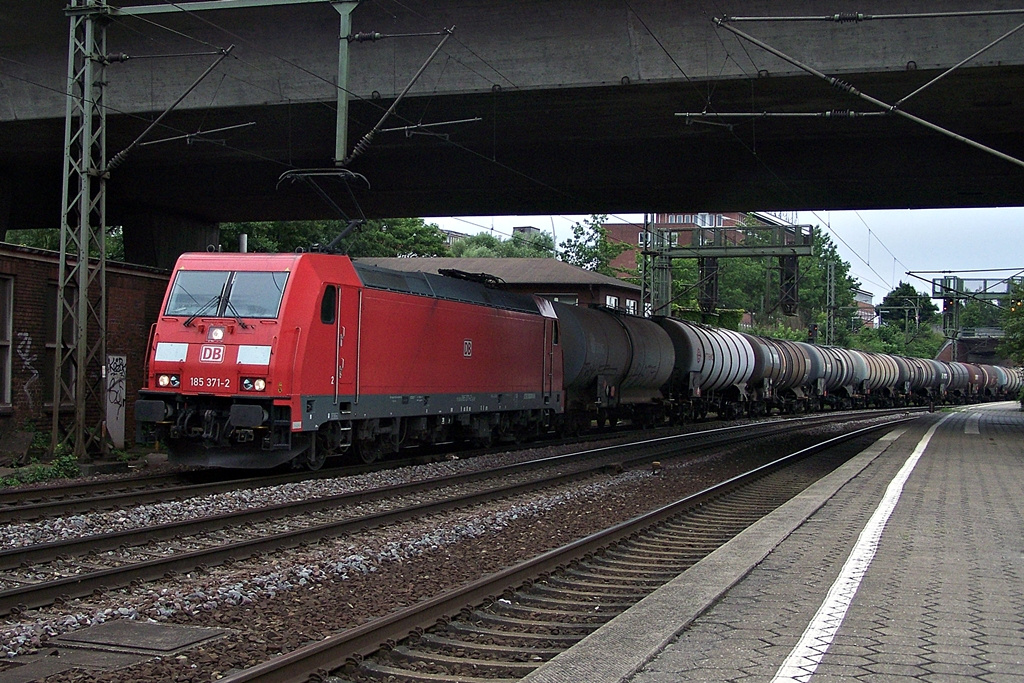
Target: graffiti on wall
point(28, 358)
point(117, 397)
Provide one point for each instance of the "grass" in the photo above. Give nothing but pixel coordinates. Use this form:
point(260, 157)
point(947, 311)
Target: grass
point(63, 466)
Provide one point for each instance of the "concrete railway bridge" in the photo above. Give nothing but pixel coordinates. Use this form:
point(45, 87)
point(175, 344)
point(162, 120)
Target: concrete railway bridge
point(563, 106)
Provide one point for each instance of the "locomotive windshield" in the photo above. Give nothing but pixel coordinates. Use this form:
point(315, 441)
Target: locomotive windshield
point(218, 293)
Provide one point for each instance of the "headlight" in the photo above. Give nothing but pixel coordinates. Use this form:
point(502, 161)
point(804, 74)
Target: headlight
point(215, 334)
point(254, 384)
point(173, 381)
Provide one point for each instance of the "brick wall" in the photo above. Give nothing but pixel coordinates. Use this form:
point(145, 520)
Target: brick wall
point(134, 296)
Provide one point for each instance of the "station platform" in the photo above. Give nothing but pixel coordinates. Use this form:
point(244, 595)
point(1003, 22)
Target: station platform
point(906, 563)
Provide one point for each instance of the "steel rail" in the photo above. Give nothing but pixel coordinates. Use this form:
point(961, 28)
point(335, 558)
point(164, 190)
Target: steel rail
point(18, 504)
point(355, 644)
point(24, 503)
point(47, 552)
point(12, 496)
point(45, 593)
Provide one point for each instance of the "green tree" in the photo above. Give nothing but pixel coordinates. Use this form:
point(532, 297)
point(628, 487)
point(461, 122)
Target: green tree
point(907, 320)
point(381, 238)
point(779, 331)
point(1012, 345)
point(38, 239)
point(925, 344)
point(882, 339)
point(813, 285)
point(278, 236)
point(395, 237)
point(908, 309)
point(752, 284)
point(590, 248)
point(977, 313)
point(742, 284)
point(486, 245)
point(49, 238)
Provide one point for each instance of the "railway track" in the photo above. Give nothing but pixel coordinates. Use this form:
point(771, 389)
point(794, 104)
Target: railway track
point(18, 504)
point(22, 503)
point(36, 575)
point(77, 496)
point(503, 626)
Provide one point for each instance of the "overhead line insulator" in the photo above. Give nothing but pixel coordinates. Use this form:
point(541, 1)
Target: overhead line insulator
point(847, 17)
point(365, 36)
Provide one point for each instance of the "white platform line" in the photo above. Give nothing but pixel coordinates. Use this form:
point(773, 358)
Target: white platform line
point(803, 660)
point(973, 420)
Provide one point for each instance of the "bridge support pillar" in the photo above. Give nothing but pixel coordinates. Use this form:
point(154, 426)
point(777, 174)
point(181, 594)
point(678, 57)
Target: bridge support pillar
point(157, 240)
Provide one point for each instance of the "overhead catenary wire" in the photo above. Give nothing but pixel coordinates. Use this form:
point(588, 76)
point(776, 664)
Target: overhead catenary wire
point(291, 63)
point(883, 113)
point(526, 176)
point(199, 135)
point(638, 225)
point(877, 239)
point(462, 146)
point(849, 88)
point(848, 17)
point(120, 156)
point(365, 141)
point(743, 143)
point(325, 80)
point(963, 295)
point(532, 179)
point(456, 144)
point(500, 74)
point(845, 17)
point(959, 64)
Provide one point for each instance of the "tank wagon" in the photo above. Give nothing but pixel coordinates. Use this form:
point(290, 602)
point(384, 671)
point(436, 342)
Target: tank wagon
point(613, 367)
point(263, 359)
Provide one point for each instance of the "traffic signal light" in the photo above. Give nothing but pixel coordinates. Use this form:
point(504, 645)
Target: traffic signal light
point(812, 334)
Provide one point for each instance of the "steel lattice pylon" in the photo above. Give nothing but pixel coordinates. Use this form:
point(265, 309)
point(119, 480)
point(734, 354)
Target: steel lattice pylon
point(81, 325)
point(81, 282)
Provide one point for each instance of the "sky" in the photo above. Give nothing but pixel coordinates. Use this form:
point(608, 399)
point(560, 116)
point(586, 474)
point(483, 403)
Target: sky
point(880, 246)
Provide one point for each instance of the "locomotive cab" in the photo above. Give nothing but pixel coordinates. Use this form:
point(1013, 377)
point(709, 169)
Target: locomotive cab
point(219, 387)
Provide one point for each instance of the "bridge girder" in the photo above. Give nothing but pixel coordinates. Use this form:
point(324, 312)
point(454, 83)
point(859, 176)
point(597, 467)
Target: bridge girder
point(571, 135)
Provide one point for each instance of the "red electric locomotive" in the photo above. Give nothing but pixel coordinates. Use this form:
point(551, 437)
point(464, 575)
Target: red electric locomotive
point(261, 359)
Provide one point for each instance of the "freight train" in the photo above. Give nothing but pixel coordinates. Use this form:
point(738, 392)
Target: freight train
point(263, 359)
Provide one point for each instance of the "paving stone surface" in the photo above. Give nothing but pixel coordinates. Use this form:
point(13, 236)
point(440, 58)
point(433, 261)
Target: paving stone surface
point(942, 601)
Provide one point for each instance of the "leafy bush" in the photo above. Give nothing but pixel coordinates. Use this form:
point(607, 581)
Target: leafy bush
point(40, 438)
point(63, 466)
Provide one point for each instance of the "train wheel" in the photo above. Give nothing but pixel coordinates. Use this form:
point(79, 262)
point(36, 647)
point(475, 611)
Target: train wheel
point(370, 450)
point(314, 458)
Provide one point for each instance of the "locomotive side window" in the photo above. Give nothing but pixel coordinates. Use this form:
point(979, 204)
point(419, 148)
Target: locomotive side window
point(328, 305)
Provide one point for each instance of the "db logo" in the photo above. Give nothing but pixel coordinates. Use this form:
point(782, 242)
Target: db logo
point(211, 354)
point(467, 348)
